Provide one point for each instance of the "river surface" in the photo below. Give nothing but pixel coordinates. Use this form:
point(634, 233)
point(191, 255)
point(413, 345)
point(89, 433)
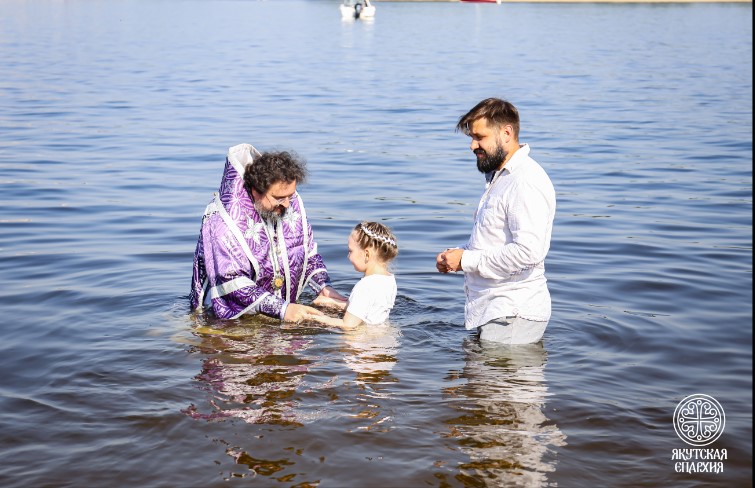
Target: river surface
point(115, 119)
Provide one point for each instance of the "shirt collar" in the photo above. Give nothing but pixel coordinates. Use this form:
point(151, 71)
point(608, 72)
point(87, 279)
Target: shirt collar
point(512, 164)
point(518, 158)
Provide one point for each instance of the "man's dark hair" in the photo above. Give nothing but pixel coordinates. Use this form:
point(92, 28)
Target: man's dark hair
point(496, 111)
point(272, 167)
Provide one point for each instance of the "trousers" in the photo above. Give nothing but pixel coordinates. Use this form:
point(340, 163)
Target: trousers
point(512, 330)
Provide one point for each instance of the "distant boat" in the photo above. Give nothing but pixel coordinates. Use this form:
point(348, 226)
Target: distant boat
point(357, 9)
point(482, 1)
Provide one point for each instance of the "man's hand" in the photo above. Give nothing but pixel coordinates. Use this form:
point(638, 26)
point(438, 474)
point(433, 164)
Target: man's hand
point(296, 312)
point(449, 260)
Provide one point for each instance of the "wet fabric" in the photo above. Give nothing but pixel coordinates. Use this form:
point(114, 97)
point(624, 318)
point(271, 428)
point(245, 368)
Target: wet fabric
point(238, 254)
point(372, 298)
point(513, 330)
point(504, 260)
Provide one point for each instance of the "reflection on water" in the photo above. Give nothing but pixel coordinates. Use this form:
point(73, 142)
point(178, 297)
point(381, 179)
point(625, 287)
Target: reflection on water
point(273, 374)
point(254, 373)
point(258, 372)
point(370, 351)
point(501, 424)
point(277, 374)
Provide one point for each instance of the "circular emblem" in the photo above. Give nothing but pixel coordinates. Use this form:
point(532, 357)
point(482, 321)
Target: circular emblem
point(278, 282)
point(699, 420)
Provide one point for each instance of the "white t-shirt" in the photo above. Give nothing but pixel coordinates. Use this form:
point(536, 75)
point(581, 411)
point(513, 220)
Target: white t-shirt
point(372, 298)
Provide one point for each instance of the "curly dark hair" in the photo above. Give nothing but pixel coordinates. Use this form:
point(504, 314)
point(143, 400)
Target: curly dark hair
point(272, 167)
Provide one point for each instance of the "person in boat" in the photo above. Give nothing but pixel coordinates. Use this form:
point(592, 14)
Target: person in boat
point(507, 298)
point(359, 6)
point(256, 251)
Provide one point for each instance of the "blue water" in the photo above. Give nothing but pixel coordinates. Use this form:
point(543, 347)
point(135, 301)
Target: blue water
point(115, 118)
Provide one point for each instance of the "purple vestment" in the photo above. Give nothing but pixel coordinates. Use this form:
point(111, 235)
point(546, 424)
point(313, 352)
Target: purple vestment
point(238, 253)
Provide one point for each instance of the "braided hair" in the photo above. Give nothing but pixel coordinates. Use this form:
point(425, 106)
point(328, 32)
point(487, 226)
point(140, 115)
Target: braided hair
point(377, 236)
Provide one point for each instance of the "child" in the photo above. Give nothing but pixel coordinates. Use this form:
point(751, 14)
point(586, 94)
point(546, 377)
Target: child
point(371, 247)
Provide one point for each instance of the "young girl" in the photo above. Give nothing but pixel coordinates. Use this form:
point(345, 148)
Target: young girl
point(371, 247)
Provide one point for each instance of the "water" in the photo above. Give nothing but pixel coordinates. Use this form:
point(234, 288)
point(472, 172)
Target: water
point(115, 118)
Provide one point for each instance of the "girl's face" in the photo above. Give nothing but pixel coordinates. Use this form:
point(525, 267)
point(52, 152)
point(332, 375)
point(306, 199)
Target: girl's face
point(357, 255)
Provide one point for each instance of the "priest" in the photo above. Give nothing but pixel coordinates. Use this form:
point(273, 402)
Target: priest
point(256, 251)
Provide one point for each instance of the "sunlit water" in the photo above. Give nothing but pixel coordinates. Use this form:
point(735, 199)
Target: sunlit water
point(115, 118)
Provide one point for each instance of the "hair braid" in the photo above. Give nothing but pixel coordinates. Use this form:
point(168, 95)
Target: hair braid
point(377, 236)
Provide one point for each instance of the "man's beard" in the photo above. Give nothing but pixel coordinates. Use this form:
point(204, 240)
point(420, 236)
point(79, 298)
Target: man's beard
point(270, 216)
point(489, 163)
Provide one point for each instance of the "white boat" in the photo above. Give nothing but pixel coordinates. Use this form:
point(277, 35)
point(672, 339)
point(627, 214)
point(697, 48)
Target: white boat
point(357, 9)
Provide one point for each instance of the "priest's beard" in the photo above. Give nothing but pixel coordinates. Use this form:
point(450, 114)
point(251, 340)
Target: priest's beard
point(270, 216)
point(489, 162)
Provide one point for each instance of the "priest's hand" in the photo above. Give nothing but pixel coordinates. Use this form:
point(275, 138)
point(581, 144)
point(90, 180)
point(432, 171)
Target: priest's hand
point(296, 312)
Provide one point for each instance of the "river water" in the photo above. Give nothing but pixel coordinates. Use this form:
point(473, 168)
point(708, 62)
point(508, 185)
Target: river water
point(115, 118)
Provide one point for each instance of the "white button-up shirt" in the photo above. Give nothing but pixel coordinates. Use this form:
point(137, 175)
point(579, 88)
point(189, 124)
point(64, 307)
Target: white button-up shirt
point(503, 262)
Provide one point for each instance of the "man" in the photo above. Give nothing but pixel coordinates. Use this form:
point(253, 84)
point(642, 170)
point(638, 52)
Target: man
point(503, 262)
point(256, 250)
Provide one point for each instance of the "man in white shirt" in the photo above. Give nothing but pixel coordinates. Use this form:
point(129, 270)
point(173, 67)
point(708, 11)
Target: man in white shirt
point(503, 262)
